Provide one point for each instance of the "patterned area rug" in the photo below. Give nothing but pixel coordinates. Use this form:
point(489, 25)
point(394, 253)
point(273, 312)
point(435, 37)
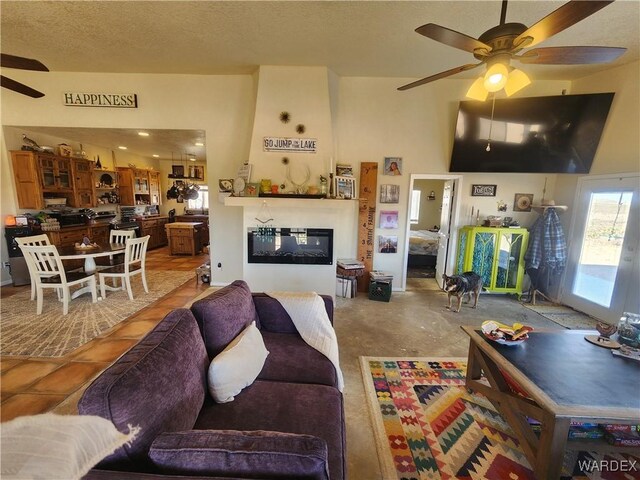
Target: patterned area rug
point(565, 316)
point(52, 334)
point(429, 426)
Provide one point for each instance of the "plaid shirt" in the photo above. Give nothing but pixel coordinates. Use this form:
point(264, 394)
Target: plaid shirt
point(547, 246)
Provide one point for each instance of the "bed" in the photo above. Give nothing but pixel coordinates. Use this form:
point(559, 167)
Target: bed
point(423, 248)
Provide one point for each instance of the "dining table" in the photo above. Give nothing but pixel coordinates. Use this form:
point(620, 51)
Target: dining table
point(89, 255)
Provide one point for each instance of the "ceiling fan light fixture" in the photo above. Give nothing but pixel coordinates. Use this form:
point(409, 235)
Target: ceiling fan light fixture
point(516, 82)
point(477, 90)
point(496, 77)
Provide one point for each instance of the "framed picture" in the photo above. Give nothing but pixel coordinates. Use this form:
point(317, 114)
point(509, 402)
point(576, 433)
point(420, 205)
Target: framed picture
point(345, 187)
point(177, 171)
point(522, 202)
point(387, 244)
point(483, 190)
point(343, 170)
point(198, 172)
point(392, 166)
point(252, 190)
point(389, 219)
point(389, 193)
point(225, 185)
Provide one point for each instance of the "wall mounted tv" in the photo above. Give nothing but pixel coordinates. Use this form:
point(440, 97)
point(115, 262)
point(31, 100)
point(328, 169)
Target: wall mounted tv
point(558, 134)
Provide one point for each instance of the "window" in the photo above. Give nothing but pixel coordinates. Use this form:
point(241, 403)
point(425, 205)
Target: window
point(202, 202)
point(414, 216)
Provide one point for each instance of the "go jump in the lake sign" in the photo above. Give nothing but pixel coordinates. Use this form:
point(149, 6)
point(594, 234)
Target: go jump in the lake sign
point(284, 144)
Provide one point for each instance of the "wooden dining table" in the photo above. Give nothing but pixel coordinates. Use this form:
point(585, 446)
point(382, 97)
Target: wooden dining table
point(90, 254)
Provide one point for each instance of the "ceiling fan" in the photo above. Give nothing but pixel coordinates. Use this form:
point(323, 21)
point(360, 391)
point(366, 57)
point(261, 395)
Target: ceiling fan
point(21, 63)
point(498, 46)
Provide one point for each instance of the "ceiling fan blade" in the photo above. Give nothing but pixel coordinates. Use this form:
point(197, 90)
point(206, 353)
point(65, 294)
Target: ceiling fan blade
point(452, 38)
point(19, 87)
point(567, 15)
point(440, 75)
point(571, 55)
point(22, 63)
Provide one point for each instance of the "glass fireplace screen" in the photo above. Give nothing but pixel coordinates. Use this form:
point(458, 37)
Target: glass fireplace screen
point(308, 246)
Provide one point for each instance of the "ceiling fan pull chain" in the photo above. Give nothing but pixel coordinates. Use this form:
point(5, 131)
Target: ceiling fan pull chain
point(493, 106)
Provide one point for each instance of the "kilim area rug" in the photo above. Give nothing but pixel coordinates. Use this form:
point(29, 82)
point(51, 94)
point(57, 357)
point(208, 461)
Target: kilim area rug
point(52, 334)
point(565, 316)
point(429, 426)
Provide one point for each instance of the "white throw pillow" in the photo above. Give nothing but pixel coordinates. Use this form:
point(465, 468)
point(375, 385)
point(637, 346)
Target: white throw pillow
point(57, 446)
point(238, 365)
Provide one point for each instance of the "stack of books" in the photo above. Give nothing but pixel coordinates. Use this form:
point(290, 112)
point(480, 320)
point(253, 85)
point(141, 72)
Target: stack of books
point(622, 435)
point(614, 434)
point(380, 276)
point(350, 264)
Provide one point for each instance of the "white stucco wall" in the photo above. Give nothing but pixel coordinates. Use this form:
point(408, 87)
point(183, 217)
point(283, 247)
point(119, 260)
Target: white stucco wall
point(365, 119)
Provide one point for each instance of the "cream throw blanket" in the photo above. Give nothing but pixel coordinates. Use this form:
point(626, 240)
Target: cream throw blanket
point(307, 311)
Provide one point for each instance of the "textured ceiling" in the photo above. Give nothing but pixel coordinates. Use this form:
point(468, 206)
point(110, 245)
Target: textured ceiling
point(351, 38)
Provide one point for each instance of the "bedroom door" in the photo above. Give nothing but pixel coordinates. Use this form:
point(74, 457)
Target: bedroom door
point(445, 226)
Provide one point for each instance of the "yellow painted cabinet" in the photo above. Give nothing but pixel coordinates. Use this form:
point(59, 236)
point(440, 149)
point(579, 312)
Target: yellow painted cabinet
point(496, 254)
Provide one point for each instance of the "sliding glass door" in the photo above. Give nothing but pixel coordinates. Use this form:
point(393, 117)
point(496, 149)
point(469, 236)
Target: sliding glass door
point(603, 248)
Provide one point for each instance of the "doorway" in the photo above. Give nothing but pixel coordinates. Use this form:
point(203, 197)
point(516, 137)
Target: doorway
point(603, 258)
point(432, 213)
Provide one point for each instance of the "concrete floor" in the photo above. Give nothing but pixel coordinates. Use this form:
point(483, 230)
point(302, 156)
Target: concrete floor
point(415, 323)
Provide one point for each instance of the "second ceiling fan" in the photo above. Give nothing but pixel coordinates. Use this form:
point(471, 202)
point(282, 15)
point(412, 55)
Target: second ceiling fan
point(498, 46)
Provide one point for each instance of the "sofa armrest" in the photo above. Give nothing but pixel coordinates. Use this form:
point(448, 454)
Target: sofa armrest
point(255, 454)
point(274, 318)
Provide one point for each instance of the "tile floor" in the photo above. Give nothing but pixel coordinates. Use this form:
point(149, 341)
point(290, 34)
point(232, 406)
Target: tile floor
point(30, 385)
point(415, 323)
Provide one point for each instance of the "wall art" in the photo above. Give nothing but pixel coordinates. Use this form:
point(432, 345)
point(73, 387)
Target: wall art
point(483, 190)
point(387, 244)
point(522, 202)
point(389, 219)
point(392, 166)
point(389, 193)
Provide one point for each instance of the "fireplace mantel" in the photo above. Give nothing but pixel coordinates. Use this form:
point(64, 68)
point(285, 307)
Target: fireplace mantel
point(288, 202)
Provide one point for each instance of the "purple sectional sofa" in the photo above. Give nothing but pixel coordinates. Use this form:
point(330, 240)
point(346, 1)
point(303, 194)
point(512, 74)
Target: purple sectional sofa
point(288, 424)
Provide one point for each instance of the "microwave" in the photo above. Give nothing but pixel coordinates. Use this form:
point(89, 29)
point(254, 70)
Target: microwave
point(70, 219)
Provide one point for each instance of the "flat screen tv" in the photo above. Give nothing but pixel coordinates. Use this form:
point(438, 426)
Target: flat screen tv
point(558, 134)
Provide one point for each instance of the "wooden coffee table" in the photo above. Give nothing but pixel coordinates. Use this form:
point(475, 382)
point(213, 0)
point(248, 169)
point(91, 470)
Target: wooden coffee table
point(561, 377)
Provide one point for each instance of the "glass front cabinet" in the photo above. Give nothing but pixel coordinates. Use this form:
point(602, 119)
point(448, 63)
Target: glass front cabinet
point(496, 254)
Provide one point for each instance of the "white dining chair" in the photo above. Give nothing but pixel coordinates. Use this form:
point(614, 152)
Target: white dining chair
point(46, 266)
point(135, 255)
point(33, 240)
point(120, 237)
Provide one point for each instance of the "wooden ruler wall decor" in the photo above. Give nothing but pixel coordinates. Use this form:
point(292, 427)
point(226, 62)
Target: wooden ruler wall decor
point(367, 197)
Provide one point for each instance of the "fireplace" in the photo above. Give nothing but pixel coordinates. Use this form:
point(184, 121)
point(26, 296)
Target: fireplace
point(280, 245)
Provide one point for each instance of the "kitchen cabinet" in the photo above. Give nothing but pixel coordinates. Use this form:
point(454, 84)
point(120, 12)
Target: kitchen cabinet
point(55, 173)
point(26, 175)
point(154, 189)
point(84, 192)
point(496, 254)
point(42, 175)
point(135, 186)
point(155, 228)
point(184, 237)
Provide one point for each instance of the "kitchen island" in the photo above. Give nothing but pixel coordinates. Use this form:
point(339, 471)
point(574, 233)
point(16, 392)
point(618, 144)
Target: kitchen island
point(185, 238)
